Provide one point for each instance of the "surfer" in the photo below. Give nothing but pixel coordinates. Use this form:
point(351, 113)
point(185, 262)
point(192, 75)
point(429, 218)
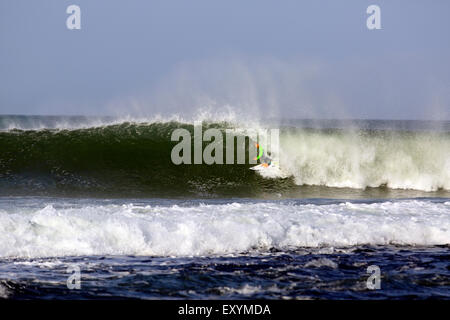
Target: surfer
point(266, 160)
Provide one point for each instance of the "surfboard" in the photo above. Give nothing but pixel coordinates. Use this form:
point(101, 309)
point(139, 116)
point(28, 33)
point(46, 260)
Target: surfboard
point(261, 166)
point(269, 171)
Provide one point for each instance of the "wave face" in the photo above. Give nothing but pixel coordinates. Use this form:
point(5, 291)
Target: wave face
point(125, 159)
point(210, 229)
point(134, 159)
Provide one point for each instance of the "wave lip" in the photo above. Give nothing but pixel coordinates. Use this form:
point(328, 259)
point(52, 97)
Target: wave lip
point(218, 229)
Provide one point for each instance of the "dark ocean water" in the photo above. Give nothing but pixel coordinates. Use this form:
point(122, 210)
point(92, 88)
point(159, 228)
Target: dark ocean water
point(407, 273)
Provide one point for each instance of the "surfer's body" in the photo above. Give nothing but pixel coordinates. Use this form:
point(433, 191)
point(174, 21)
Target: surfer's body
point(267, 167)
point(266, 161)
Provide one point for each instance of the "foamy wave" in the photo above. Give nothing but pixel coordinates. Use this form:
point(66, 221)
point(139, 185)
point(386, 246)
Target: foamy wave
point(355, 159)
point(218, 229)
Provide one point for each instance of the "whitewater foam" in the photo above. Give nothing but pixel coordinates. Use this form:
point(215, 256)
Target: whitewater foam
point(217, 229)
point(358, 159)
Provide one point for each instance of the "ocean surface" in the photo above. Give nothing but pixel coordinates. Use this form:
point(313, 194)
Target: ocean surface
point(101, 196)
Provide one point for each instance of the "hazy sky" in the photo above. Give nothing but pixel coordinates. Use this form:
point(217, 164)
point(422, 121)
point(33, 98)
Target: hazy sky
point(279, 58)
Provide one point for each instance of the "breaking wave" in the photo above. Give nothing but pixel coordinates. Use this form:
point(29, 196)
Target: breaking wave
point(134, 159)
point(211, 229)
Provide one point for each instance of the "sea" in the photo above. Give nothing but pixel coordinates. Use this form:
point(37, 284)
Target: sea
point(94, 208)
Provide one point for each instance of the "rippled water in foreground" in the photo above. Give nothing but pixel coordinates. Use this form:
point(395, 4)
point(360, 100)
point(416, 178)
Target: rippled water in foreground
point(407, 272)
